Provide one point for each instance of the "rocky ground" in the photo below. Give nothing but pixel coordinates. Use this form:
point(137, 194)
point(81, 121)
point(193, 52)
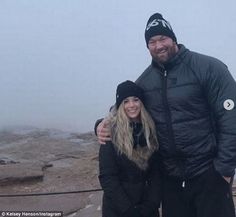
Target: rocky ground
point(47, 161)
point(34, 161)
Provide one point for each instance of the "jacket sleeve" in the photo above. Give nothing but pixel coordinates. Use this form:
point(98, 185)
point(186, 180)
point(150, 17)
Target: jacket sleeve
point(96, 125)
point(109, 179)
point(220, 90)
point(152, 197)
point(98, 122)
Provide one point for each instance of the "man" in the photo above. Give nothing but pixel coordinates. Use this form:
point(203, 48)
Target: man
point(191, 98)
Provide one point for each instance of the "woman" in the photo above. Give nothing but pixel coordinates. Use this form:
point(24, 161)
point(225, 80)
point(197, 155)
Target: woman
point(128, 165)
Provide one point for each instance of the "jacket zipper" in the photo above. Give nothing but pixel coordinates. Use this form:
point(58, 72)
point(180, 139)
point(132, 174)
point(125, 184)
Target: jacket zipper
point(170, 129)
point(168, 115)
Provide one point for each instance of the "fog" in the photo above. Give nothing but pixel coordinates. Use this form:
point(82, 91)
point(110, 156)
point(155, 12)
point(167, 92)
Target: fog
point(61, 60)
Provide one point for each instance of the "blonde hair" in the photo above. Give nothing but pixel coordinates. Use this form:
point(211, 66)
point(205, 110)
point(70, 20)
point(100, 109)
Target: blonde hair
point(122, 132)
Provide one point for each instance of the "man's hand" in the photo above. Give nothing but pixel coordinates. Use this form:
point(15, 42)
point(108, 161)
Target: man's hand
point(227, 179)
point(104, 132)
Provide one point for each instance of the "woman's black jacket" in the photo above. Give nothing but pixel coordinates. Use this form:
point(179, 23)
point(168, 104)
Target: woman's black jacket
point(127, 187)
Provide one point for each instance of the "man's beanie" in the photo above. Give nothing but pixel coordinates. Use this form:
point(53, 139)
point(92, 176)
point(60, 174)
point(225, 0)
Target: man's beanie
point(157, 25)
point(127, 89)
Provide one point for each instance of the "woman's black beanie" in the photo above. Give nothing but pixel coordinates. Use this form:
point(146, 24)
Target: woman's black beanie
point(127, 89)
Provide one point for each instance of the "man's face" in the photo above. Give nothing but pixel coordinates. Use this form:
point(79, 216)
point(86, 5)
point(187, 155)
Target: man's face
point(162, 48)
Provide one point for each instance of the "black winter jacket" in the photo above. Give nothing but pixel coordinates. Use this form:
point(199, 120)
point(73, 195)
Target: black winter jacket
point(126, 186)
point(192, 103)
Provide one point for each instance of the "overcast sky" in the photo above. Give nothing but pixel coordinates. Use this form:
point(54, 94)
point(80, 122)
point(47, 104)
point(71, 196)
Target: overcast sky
point(61, 60)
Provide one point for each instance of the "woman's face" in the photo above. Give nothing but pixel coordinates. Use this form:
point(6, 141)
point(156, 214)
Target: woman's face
point(132, 107)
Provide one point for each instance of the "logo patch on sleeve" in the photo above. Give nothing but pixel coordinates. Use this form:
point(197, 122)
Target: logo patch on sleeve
point(228, 104)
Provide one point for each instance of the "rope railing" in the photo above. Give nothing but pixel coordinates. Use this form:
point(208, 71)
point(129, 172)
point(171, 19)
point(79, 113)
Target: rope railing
point(56, 193)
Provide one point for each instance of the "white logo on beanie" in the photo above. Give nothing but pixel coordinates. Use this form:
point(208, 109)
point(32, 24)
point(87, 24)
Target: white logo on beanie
point(157, 22)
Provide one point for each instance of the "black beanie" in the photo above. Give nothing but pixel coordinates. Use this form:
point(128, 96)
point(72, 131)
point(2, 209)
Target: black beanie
point(157, 25)
point(127, 89)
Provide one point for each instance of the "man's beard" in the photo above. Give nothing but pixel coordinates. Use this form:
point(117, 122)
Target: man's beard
point(170, 53)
